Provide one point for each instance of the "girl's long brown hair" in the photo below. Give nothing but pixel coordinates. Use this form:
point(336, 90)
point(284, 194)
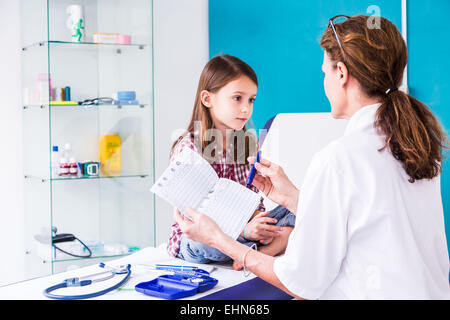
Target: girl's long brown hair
point(376, 58)
point(217, 73)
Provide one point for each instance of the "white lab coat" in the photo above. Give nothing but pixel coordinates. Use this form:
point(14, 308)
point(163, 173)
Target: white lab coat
point(363, 231)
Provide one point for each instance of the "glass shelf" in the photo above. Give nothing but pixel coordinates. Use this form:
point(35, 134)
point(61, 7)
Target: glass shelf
point(102, 256)
point(101, 176)
point(42, 253)
point(80, 106)
point(75, 44)
point(113, 208)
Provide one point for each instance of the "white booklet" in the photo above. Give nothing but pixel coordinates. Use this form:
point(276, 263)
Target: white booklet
point(190, 181)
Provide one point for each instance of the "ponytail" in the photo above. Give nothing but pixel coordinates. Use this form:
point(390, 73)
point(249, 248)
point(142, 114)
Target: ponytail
point(413, 135)
point(376, 58)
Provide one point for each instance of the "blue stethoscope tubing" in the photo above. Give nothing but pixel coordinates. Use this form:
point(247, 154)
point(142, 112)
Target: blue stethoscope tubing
point(72, 282)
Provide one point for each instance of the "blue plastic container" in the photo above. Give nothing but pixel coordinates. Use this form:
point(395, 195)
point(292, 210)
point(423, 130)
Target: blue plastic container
point(176, 286)
point(126, 95)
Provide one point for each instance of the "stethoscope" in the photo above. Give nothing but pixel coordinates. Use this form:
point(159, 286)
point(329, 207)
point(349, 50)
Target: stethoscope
point(84, 281)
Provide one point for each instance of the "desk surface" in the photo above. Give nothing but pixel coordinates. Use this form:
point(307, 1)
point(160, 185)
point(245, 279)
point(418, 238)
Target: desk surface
point(32, 289)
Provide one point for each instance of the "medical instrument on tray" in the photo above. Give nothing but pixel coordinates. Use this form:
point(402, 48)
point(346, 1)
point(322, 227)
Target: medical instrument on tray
point(179, 269)
point(84, 281)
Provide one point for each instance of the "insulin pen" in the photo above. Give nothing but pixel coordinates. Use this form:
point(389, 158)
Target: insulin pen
point(253, 170)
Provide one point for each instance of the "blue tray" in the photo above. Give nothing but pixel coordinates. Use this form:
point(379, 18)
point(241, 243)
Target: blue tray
point(176, 286)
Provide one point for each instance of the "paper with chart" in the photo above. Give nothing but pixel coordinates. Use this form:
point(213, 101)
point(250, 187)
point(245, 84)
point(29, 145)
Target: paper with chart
point(190, 181)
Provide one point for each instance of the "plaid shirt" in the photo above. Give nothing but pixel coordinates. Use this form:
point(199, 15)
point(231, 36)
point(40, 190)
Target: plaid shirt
point(232, 171)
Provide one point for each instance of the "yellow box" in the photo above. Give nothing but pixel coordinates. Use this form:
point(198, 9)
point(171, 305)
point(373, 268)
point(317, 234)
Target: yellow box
point(110, 154)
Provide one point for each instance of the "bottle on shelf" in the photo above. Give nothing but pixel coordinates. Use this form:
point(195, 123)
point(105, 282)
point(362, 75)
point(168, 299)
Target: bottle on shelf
point(43, 88)
point(63, 167)
point(55, 161)
point(64, 163)
point(73, 167)
point(67, 153)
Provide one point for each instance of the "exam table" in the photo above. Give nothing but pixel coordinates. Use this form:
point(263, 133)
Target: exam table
point(291, 141)
point(228, 279)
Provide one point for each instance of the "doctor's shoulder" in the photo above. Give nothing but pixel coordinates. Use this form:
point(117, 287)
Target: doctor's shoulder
point(344, 154)
point(330, 156)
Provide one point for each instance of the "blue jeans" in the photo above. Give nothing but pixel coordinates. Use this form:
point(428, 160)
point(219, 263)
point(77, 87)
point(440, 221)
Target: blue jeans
point(197, 252)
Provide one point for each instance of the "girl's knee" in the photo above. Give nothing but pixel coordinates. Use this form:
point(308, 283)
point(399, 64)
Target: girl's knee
point(198, 252)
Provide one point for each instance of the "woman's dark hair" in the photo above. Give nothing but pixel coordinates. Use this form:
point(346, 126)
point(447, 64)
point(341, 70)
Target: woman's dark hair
point(376, 57)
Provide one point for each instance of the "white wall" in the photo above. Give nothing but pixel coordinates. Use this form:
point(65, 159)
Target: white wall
point(180, 52)
point(11, 179)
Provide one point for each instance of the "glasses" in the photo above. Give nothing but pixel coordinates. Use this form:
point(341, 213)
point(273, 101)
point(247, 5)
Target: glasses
point(331, 25)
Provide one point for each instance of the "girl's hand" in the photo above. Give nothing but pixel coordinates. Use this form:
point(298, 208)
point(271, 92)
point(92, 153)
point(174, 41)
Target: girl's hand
point(198, 226)
point(274, 183)
point(258, 228)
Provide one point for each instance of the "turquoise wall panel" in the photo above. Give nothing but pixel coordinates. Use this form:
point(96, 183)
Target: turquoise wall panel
point(280, 40)
point(428, 71)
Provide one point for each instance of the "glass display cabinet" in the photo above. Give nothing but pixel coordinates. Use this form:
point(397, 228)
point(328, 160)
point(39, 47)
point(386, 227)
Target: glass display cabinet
point(87, 84)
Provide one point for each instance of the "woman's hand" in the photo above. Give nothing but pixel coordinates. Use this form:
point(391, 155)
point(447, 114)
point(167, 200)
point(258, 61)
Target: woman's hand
point(198, 226)
point(274, 183)
point(258, 228)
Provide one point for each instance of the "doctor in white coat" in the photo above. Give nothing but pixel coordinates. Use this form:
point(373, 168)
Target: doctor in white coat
point(369, 213)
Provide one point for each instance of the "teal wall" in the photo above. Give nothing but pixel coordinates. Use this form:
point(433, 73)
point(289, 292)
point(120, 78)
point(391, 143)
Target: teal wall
point(428, 71)
point(280, 40)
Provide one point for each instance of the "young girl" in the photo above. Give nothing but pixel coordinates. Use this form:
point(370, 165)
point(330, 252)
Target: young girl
point(223, 105)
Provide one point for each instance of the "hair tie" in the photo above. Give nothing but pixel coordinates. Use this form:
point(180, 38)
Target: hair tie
point(389, 91)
